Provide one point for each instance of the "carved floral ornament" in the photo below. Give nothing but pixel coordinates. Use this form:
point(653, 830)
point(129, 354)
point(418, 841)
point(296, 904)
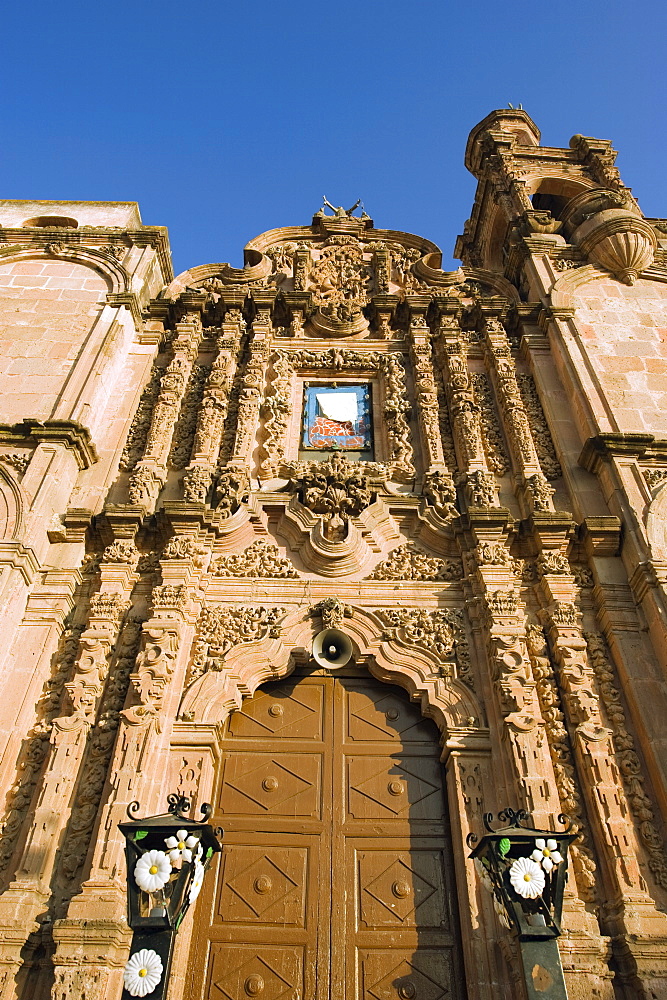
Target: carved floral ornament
point(238, 647)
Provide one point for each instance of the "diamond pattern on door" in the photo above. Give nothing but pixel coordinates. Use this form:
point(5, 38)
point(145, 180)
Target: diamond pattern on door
point(263, 885)
point(400, 890)
point(395, 789)
point(427, 977)
point(268, 973)
point(281, 784)
point(280, 714)
point(386, 718)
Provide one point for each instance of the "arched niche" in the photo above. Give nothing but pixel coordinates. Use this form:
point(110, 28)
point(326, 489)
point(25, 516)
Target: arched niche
point(11, 507)
point(451, 704)
point(656, 524)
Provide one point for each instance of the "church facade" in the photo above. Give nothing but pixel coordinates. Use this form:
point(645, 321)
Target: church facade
point(461, 472)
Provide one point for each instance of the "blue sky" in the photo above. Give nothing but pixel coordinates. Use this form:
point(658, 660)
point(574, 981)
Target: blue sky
point(226, 119)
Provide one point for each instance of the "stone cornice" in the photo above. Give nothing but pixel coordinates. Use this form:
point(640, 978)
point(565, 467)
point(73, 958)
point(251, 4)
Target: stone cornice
point(69, 433)
point(604, 447)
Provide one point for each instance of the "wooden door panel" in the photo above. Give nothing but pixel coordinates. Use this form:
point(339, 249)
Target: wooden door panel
point(245, 972)
point(279, 784)
point(398, 974)
point(265, 884)
point(281, 713)
point(387, 717)
point(397, 787)
point(401, 888)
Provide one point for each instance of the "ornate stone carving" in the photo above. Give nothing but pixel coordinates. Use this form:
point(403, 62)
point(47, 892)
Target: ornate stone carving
point(144, 486)
point(481, 489)
point(583, 576)
point(123, 550)
point(627, 758)
point(464, 409)
point(261, 559)
point(552, 562)
point(109, 607)
point(439, 489)
point(138, 433)
point(654, 477)
point(494, 445)
point(540, 492)
point(221, 628)
point(196, 484)
point(154, 667)
point(249, 395)
point(95, 768)
point(395, 407)
point(232, 488)
point(185, 547)
point(35, 748)
point(80, 982)
point(18, 462)
point(169, 599)
point(441, 632)
point(339, 280)
point(332, 612)
point(408, 562)
point(492, 554)
point(276, 411)
point(560, 748)
point(544, 445)
point(336, 490)
point(427, 396)
point(186, 425)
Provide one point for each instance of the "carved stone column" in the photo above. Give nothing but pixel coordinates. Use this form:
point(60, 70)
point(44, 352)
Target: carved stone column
point(637, 929)
point(213, 411)
point(29, 893)
point(276, 410)
point(138, 770)
point(150, 473)
point(466, 426)
point(252, 384)
point(536, 491)
point(427, 395)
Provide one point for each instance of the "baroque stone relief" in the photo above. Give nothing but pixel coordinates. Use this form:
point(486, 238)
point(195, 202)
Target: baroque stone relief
point(222, 627)
point(261, 559)
point(408, 562)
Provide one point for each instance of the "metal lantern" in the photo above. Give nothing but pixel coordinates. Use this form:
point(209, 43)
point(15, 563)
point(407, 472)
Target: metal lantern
point(526, 870)
point(167, 857)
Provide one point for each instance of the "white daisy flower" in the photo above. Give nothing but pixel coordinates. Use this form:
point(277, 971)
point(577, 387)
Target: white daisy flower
point(142, 973)
point(501, 912)
point(527, 878)
point(152, 871)
point(196, 884)
point(181, 846)
point(484, 876)
point(546, 853)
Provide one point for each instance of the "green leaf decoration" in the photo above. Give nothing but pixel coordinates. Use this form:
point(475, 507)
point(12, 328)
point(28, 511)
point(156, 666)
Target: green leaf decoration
point(504, 846)
point(140, 834)
point(209, 853)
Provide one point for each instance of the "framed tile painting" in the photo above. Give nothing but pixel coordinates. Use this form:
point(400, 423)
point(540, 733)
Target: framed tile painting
point(337, 418)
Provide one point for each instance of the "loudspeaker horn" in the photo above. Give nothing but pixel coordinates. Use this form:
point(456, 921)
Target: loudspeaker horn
point(332, 648)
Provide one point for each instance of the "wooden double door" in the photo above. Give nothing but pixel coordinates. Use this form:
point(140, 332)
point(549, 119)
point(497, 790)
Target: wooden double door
point(335, 881)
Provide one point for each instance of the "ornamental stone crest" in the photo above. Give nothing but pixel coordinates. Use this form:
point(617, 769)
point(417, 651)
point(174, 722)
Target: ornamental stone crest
point(336, 490)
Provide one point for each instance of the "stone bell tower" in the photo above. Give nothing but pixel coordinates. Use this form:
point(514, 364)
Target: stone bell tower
point(461, 473)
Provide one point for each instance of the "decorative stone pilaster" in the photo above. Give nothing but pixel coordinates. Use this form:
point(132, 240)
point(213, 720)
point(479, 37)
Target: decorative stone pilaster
point(150, 473)
point(212, 413)
point(427, 395)
point(29, 893)
point(513, 414)
point(465, 416)
point(276, 410)
point(629, 914)
point(253, 379)
point(140, 761)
